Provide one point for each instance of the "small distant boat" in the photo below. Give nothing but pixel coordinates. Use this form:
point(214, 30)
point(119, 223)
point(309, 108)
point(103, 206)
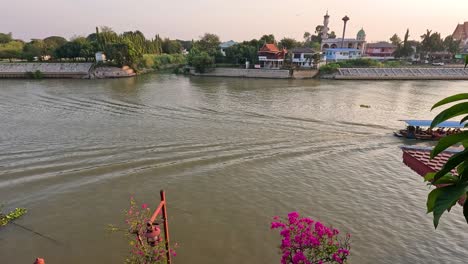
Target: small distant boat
point(421, 129)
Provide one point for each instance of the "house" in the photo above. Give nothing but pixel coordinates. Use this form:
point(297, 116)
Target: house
point(303, 57)
point(271, 57)
point(342, 54)
point(223, 46)
point(380, 50)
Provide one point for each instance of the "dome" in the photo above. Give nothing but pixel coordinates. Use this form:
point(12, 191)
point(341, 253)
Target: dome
point(361, 35)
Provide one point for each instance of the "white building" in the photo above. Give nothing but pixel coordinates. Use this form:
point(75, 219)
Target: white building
point(303, 57)
point(332, 55)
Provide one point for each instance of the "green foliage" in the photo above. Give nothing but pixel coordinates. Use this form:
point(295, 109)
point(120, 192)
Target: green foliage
point(267, 39)
point(11, 50)
point(158, 62)
point(52, 43)
point(452, 45)
point(35, 75)
point(359, 63)
point(11, 216)
point(5, 38)
point(404, 49)
point(432, 42)
point(395, 40)
point(171, 46)
point(200, 60)
point(466, 61)
point(34, 50)
point(289, 43)
point(242, 52)
point(209, 43)
point(329, 68)
point(444, 198)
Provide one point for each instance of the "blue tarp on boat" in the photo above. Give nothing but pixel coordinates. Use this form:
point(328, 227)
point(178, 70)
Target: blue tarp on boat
point(427, 123)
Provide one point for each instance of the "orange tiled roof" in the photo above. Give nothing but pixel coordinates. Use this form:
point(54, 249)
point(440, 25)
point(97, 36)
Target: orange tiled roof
point(461, 32)
point(269, 48)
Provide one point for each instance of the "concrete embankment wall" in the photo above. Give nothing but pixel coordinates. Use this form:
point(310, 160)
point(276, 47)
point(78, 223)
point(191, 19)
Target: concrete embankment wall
point(48, 70)
point(401, 74)
point(305, 74)
point(245, 73)
point(111, 72)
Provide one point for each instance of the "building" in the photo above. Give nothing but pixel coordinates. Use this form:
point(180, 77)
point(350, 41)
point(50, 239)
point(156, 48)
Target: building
point(303, 57)
point(223, 46)
point(331, 55)
point(339, 43)
point(100, 56)
point(271, 57)
point(461, 33)
point(380, 50)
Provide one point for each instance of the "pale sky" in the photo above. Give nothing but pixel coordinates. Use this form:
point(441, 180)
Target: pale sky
point(230, 19)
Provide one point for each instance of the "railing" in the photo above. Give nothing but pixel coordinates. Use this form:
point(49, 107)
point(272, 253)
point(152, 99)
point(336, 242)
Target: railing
point(162, 209)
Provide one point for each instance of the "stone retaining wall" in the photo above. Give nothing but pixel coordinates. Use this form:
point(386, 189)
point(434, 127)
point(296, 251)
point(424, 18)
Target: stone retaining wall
point(111, 72)
point(48, 70)
point(245, 73)
point(304, 74)
point(401, 74)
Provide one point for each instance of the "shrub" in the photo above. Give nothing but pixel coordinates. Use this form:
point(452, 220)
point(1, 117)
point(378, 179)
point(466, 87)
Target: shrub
point(305, 241)
point(140, 251)
point(329, 68)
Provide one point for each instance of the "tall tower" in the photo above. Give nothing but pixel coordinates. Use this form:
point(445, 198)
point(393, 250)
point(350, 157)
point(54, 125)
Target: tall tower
point(345, 20)
point(326, 21)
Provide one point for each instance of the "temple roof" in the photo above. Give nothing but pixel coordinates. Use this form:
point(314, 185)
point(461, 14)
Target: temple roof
point(461, 32)
point(419, 159)
point(269, 48)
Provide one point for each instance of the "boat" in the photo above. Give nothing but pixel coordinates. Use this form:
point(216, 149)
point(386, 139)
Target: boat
point(421, 129)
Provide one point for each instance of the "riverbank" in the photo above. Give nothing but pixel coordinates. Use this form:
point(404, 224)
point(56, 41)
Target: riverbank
point(258, 73)
point(36, 70)
point(447, 73)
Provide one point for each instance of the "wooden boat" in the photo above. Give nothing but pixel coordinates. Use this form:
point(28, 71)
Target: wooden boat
point(421, 129)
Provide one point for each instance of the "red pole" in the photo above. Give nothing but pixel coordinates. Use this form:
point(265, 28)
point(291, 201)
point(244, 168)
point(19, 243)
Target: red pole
point(166, 225)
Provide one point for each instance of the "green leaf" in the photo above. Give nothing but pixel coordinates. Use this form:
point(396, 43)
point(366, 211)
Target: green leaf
point(456, 110)
point(465, 209)
point(446, 199)
point(447, 142)
point(431, 199)
point(447, 179)
point(451, 99)
point(430, 176)
point(452, 163)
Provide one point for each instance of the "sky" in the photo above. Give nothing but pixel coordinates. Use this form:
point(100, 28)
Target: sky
point(230, 19)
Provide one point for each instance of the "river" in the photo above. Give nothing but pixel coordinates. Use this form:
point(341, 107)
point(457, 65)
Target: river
point(231, 154)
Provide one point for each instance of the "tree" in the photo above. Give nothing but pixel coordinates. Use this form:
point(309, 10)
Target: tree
point(453, 187)
point(242, 52)
point(431, 42)
point(452, 45)
point(52, 43)
point(307, 36)
point(404, 49)
point(395, 40)
point(267, 39)
point(171, 46)
point(11, 50)
point(5, 38)
point(200, 60)
point(289, 43)
point(35, 49)
point(332, 35)
point(208, 43)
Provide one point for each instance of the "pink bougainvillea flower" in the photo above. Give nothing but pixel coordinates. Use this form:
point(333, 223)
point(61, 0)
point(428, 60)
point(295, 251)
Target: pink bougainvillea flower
point(144, 206)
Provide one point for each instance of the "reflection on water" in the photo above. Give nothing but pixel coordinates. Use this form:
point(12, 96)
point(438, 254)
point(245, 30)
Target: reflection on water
point(231, 154)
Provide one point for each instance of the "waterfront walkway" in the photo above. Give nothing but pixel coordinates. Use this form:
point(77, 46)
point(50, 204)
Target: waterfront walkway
point(402, 74)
